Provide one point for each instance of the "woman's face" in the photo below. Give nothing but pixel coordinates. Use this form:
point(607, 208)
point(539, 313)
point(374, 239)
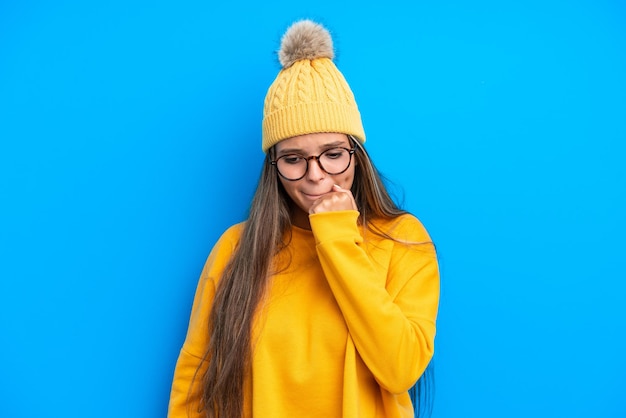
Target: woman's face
point(316, 182)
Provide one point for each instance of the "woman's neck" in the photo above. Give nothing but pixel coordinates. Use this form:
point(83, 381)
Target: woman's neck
point(300, 218)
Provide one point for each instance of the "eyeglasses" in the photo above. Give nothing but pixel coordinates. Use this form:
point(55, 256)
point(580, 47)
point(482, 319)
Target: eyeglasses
point(333, 161)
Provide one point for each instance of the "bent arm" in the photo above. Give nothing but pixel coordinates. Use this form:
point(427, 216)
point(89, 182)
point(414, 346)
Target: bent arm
point(388, 294)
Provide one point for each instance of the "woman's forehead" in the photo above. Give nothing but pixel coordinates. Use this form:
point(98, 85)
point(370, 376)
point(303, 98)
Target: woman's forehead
point(312, 142)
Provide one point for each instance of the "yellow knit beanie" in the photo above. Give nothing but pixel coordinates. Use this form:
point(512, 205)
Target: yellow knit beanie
point(310, 94)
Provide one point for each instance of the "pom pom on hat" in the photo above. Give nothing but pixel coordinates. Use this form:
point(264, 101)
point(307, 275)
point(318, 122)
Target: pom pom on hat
point(309, 94)
point(305, 40)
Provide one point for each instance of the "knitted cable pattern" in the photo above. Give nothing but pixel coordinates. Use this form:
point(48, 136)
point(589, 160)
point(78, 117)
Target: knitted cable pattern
point(309, 94)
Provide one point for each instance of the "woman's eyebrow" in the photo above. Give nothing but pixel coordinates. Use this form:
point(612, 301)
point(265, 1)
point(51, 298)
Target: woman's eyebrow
point(321, 147)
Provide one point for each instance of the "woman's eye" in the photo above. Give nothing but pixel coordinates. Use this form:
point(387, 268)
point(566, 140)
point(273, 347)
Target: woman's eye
point(333, 154)
point(292, 159)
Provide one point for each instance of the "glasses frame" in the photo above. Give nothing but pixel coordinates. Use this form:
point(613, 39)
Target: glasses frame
point(317, 158)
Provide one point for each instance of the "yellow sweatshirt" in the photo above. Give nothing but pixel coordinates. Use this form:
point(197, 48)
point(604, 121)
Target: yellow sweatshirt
point(344, 331)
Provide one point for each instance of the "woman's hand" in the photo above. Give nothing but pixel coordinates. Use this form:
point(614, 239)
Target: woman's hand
point(337, 199)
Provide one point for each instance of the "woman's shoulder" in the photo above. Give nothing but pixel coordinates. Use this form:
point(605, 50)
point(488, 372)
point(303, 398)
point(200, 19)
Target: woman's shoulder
point(406, 227)
point(232, 234)
point(234, 230)
point(229, 238)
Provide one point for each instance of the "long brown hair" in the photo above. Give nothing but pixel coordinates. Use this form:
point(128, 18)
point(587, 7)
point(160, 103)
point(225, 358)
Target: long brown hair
point(244, 279)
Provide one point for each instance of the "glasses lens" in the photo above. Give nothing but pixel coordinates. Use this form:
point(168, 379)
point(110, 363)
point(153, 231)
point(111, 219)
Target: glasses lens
point(335, 161)
point(291, 167)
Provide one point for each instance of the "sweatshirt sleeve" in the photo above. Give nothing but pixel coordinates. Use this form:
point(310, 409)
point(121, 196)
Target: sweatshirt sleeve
point(187, 382)
point(388, 293)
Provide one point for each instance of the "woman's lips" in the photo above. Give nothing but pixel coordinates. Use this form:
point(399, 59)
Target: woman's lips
point(313, 196)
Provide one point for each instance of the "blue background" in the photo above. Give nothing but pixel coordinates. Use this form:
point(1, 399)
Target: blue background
point(130, 139)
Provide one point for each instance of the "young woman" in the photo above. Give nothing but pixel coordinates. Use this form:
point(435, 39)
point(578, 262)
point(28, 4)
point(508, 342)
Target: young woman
point(323, 303)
